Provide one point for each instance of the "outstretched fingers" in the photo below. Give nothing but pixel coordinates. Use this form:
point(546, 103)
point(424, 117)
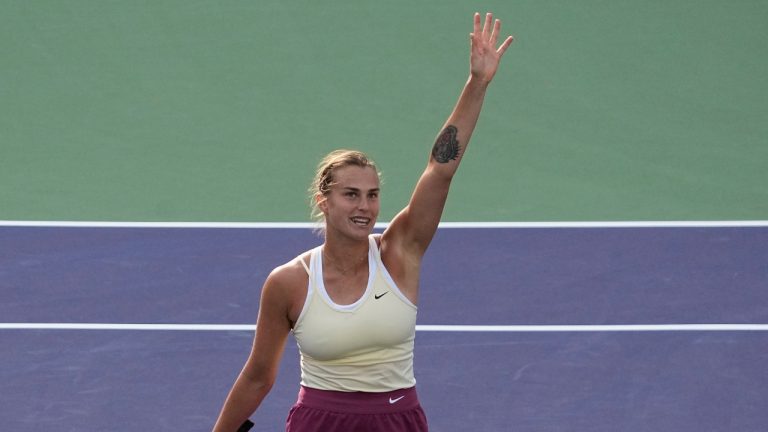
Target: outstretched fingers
point(487, 26)
point(490, 31)
point(485, 50)
point(504, 45)
point(495, 32)
point(476, 26)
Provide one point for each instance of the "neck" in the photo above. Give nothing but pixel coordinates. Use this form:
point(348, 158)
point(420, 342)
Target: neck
point(346, 257)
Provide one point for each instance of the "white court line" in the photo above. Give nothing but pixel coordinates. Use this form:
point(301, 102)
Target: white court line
point(425, 328)
point(310, 225)
point(422, 328)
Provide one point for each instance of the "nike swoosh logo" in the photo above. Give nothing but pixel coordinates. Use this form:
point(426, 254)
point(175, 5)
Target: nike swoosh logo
point(393, 401)
point(378, 296)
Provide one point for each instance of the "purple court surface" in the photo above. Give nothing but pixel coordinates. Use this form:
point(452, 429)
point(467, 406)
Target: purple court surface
point(654, 375)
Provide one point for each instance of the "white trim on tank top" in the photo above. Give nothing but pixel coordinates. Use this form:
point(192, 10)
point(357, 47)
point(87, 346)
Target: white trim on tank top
point(315, 262)
point(385, 273)
point(316, 266)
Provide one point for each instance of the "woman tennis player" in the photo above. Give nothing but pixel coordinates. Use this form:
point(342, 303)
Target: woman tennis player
point(351, 302)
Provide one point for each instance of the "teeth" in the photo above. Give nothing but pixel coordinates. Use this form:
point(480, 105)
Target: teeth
point(360, 221)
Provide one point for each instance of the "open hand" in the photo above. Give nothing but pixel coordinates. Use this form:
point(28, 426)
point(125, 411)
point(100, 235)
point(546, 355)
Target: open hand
point(484, 56)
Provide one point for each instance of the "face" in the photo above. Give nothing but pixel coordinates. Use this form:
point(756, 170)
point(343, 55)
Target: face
point(352, 205)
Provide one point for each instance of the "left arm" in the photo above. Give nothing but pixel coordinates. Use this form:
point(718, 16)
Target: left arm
point(413, 228)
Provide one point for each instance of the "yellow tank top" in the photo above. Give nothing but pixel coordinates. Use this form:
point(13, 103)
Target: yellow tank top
point(365, 346)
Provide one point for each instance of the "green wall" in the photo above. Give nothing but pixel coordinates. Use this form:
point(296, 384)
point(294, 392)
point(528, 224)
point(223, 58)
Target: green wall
point(218, 111)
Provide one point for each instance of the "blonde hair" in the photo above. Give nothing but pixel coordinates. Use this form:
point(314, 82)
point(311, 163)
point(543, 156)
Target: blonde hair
point(323, 180)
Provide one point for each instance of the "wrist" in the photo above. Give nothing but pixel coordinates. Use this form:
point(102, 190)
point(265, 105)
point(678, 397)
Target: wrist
point(476, 83)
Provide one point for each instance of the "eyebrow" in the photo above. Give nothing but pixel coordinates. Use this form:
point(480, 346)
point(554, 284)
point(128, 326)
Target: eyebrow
point(354, 189)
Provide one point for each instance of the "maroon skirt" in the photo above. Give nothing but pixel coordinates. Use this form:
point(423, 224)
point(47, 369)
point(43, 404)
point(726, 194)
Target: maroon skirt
point(329, 411)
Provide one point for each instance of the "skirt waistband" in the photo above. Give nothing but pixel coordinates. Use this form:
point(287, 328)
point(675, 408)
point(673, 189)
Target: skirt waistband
point(359, 402)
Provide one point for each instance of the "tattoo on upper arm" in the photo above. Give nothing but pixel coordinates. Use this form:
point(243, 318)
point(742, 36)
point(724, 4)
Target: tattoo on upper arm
point(446, 147)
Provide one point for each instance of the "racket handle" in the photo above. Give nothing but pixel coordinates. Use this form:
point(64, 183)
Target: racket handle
point(246, 426)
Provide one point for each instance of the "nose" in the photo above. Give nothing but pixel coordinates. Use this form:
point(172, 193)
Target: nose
point(363, 203)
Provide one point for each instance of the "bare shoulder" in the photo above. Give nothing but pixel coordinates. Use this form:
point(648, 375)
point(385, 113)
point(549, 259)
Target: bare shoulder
point(286, 286)
point(290, 273)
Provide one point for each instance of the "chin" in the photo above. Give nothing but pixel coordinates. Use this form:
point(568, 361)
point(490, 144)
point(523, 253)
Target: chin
point(363, 231)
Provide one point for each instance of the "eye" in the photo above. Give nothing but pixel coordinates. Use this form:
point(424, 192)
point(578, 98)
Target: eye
point(350, 194)
point(373, 195)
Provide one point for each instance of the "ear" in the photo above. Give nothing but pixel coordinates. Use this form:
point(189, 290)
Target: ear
point(322, 202)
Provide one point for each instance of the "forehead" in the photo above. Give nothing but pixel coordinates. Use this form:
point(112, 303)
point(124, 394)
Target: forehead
point(356, 177)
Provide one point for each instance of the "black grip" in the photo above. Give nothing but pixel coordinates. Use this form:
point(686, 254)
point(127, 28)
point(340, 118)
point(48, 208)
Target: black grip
point(246, 426)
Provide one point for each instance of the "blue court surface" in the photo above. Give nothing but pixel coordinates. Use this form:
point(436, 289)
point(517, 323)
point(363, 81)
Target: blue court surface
point(650, 328)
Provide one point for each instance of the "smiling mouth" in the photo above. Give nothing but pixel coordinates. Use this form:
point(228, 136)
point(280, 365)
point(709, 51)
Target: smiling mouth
point(361, 221)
